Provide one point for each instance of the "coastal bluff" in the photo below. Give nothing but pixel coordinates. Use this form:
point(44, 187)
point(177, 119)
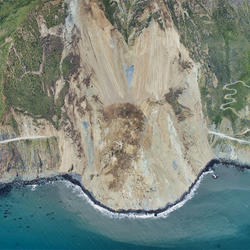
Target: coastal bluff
point(113, 92)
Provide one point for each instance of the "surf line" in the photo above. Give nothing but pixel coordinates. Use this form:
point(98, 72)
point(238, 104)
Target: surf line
point(134, 214)
point(157, 213)
point(163, 212)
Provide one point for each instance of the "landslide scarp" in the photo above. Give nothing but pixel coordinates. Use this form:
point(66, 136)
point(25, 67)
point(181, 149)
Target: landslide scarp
point(133, 16)
point(123, 86)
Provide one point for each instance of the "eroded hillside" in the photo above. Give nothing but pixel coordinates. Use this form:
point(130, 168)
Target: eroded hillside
point(123, 86)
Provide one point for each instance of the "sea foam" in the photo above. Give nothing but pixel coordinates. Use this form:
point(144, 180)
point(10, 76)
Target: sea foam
point(133, 215)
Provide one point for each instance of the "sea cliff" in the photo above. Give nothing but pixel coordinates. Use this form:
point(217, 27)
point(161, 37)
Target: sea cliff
point(122, 94)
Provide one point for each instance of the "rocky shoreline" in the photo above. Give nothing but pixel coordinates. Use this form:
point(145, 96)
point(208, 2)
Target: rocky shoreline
point(5, 188)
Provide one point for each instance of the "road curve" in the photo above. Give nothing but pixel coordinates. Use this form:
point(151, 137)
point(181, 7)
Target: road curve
point(229, 97)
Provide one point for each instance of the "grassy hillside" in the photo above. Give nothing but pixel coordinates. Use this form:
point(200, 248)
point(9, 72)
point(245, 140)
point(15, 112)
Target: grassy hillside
point(27, 83)
point(217, 35)
point(12, 14)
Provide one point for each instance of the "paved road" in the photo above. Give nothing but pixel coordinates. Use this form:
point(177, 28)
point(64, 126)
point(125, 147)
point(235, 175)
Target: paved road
point(228, 137)
point(24, 138)
point(229, 97)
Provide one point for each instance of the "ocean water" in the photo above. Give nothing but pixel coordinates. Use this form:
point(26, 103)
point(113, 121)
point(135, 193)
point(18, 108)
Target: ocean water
point(56, 215)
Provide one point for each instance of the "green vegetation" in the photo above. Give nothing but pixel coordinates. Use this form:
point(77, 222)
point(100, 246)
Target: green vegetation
point(24, 89)
point(109, 10)
point(53, 47)
point(217, 35)
point(70, 65)
point(33, 62)
point(127, 16)
point(243, 68)
point(3, 54)
point(60, 100)
point(213, 100)
point(27, 95)
point(27, 46)
point(180, 111)
point(13, 123)
point(241, 97)
point(54, 14)
point(12, 14)
point(28, 142)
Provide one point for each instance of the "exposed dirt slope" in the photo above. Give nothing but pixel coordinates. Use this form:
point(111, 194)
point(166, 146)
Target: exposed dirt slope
point(139, 114)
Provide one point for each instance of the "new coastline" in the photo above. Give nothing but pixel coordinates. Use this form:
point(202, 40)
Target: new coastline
point(5, 188)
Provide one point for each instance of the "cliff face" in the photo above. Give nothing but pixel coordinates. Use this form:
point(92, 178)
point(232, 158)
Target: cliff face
point(144, 135)
point(29, 159)
point(117, 94)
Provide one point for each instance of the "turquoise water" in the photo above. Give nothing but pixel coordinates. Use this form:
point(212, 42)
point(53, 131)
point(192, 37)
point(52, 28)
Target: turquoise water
point(56, 216)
